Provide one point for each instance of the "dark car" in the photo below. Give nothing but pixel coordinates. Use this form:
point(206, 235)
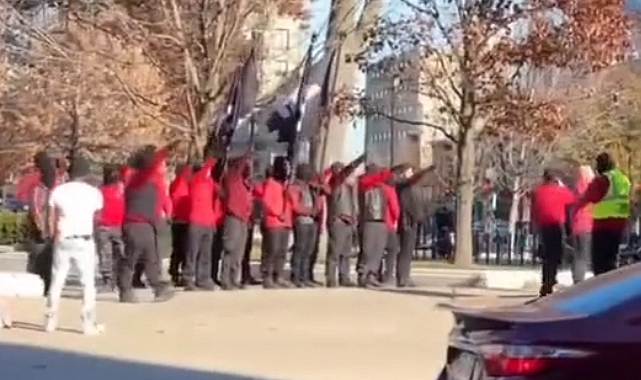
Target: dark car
point(14, 205)
point(590, 331)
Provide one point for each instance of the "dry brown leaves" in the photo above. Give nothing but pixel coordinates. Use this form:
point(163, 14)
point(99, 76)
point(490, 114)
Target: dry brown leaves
point(85, 77)
point(486, 47)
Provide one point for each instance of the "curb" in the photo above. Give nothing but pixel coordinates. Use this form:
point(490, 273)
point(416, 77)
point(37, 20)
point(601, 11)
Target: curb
point(496, 279)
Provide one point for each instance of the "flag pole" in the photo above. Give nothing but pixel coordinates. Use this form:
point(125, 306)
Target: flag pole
point(292, 151)
point(326, 111)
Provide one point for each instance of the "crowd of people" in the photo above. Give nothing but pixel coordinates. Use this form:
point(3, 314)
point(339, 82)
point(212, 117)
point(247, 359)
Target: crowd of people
point(212, 207)
point(594, 215)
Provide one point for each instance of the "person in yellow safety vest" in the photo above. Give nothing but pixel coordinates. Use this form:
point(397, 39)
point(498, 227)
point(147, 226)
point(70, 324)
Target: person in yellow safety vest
point(609, 192)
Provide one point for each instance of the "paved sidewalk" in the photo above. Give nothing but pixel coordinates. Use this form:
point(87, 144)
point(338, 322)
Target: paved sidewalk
point(287, 334)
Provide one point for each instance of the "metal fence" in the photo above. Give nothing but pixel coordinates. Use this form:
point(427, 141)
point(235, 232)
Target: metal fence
point(494, 248)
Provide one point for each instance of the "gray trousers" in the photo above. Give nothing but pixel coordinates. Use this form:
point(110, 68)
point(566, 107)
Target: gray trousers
point(305, 235)
point(111, 249)
point(339, 251)
point(392, 249)
point(374, 243)
point(407, 235)
point(277, 246)
point(234, 237)
point(141, 241)
point(198, 259)
point(580, 259)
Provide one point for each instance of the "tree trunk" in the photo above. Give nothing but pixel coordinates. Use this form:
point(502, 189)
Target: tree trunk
point(463, 256)
point(514, 212)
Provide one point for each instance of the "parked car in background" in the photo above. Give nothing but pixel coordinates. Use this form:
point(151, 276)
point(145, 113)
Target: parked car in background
point(13, 204)
point(590, 331)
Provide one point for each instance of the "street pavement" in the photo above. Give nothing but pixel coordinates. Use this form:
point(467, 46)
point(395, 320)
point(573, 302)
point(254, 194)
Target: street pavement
point(314, 334)
point(310, 334)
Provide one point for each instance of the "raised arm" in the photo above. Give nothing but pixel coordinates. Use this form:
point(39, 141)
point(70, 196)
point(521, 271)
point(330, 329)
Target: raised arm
point(415, 178)
point(337, 179)
point(368, 181)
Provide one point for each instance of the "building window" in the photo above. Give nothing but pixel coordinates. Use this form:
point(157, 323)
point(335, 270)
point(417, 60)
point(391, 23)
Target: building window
point(281, 68)
point(279, 39)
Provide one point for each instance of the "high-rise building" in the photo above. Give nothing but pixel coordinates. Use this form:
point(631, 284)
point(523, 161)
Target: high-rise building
point(284, 43)
point(400, 110)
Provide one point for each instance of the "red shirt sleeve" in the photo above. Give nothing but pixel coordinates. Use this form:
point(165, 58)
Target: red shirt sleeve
point(258, 191)
point(367, 181)
point(392, 202)
point(180, 179)
point(596, 190)
point(568, 196)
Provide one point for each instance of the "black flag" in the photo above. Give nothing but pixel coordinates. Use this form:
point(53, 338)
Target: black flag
point(286, 118)
point(242, 98)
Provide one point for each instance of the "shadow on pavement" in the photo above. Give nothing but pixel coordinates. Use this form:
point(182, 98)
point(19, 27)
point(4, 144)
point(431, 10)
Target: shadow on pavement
point(31, 363)
point(424, 292)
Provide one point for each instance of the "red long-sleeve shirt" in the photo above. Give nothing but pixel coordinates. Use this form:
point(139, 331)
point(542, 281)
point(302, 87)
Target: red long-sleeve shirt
point(138, 178)
point(582, 218)
point(596, 191)
point(370, 180)
point(238, 192)
point(258, 190)
point(393, 209)
point(179, 194)
point(202, 188)
point(113, 210)
point(550, 203)
point(296, 198)
point(277, 205)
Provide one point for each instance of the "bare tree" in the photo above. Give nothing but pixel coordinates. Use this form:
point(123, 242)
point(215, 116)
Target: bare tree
point(472, 58)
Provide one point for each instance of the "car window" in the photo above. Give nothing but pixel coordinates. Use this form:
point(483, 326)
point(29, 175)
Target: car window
point(599, 294)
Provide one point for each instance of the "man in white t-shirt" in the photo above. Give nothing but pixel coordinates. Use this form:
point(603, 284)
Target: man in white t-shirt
point(72, 206)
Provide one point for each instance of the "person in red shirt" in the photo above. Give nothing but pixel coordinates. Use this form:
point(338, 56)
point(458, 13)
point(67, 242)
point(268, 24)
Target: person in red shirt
point(306, 210)
point(374, 221)
point(109, 233)
point(257, 193)
point(40, 245)
point(393, 247)
point(550, 202)
point(179, 195)
point(277, 216)
point(341, 222)
point(237, 201)
point(581, 227)
point(606, 232)
point(202, 225)
point(145, 198)
point(219, 207)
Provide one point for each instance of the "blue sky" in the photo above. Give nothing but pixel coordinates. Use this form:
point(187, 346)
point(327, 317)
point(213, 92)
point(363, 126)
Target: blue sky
point(355, 142)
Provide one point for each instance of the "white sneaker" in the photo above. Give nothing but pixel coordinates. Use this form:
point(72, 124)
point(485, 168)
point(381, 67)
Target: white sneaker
point(51, 323)
point(93, 329)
